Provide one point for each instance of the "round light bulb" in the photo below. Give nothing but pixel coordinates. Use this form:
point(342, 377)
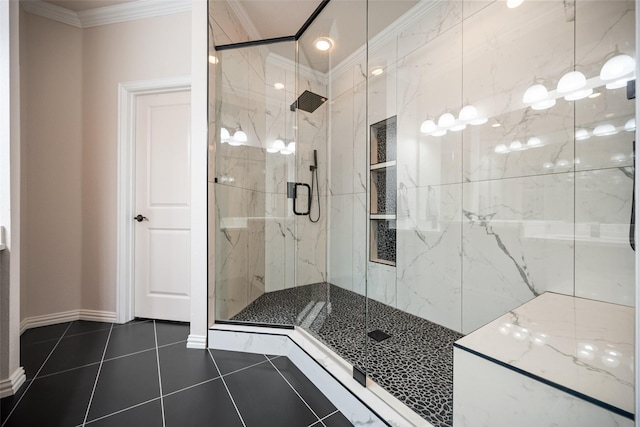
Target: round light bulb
point(605, 130)
point(501, 148)
point(278, 86)
point(534, 94)
point(458, 127)
point(324, 43)
point(440, 132)
point(616, 67)
point(428, 126)
point(272, 150)
point(534, 142)
point(240, 136)
point(224, 135)
point(446, 120)
point(630, 126)
point(582, 134)
point(511, 4)
point(468, 113)
point(377, 71)
point(278, 144)
point(543, 105)
point(291, 147)
point(617, 84)
point(515, 145)
point(571, 82)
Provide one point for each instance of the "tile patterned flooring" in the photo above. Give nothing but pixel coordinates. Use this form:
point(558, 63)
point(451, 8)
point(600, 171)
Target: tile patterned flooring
point(141, 374)
point(415, 364)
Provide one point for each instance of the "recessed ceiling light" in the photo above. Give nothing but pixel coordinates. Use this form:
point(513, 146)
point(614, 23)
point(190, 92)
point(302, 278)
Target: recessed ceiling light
point(496, 125)
point(213, 59)
point(377, 71)
point(278, 86)
point(324, 43)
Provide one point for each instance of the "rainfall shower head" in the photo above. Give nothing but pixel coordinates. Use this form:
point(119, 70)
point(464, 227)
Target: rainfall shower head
point(308, 102)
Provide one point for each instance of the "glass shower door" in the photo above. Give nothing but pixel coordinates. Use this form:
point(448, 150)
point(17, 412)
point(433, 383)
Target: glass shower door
point(254, 152)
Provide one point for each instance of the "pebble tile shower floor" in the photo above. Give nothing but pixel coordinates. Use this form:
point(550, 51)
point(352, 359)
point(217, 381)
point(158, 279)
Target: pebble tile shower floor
point(141, 374)
point(415, 364)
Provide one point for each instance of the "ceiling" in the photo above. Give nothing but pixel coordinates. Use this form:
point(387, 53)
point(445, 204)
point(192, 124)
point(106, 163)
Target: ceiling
point(82, 5)
point(278, 18)
point(345, 21)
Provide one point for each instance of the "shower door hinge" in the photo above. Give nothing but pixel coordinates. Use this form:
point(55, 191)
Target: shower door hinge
point(360, 376)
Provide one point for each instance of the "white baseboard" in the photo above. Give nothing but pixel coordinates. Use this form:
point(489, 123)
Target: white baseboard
point(67, 316)
point(197, 341)
point(9, 386)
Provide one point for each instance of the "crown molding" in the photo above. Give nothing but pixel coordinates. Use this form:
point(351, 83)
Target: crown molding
point(245, 20)
point(404, 22)
point(106, 15)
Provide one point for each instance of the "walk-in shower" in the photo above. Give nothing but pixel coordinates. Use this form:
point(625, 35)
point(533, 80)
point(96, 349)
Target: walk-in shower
point(451, 160)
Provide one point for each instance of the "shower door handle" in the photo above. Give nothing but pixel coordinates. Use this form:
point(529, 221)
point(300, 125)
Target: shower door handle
point(295, 198)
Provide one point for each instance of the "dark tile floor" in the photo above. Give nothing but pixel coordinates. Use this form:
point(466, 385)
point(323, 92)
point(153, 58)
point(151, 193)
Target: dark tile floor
point(415, 364)
point(141, 374)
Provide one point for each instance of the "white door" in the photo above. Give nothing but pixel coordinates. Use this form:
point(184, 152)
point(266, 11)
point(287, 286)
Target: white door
point(162, 205)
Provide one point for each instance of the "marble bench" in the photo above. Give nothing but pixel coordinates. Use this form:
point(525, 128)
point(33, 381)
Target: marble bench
point(554, 361)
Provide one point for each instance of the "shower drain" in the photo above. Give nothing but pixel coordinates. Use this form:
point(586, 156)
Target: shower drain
point(379, 335)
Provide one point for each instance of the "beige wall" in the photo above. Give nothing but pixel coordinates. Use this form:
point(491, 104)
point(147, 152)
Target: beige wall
point(53, 246)
point(72, 135)
point(138, 50)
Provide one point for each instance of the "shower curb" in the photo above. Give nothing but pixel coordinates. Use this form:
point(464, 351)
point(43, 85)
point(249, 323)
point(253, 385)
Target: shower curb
point(328, 371)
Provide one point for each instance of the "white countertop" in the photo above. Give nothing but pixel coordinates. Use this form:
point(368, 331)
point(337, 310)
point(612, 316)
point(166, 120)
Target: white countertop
point(582, 346)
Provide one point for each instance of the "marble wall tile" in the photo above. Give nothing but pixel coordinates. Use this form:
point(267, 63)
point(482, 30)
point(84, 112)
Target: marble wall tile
point(360, 248)
point(604, 260)
point(340, 268)
point(311, 248)
point(382, 95)
point(256, 259)
point(604, 30)
point(429, 262)
point(514, 243)
point(471, 7)
point(505, 52)
point(381, 283)
point(428, 86)
point(360, 173)
point(341, 145)
point(435, 19)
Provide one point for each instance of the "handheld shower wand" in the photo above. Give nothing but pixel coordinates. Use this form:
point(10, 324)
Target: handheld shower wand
point(314, 178)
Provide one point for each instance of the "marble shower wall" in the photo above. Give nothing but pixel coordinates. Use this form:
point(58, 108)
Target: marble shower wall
point(482, 230)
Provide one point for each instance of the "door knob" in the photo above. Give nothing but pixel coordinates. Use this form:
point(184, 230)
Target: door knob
point(140, 218)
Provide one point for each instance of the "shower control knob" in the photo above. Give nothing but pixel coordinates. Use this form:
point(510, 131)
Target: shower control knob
point(140, 218)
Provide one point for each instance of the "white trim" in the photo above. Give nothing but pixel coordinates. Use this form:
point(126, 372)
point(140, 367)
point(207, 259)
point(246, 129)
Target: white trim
point(9, 386)
point(197, 341)
point(127, 94)
point(67, 316)
point(326, 369)
point(106, 15)
point(199, 168)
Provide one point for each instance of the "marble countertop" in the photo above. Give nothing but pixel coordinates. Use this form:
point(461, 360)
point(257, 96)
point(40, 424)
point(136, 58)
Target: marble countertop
point(581, 346)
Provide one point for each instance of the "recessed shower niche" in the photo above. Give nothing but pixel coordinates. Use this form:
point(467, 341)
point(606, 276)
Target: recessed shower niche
point(383, 194)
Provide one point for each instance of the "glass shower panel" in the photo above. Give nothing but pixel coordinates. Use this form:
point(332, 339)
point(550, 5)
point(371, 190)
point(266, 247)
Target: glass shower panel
point(604, 152)
point(331, 240)
point(253, 222)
